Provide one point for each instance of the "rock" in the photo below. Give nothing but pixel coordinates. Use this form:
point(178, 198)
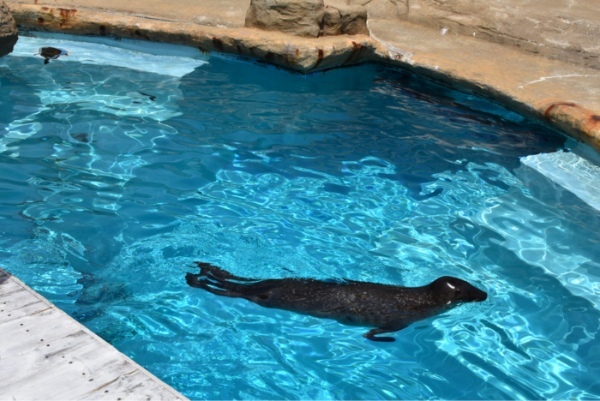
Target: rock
point(344, 19)
point(296, 17)
point(383, 9)
point(51, 53)
point(308, 18)
point(577, 121)
point(8, 30)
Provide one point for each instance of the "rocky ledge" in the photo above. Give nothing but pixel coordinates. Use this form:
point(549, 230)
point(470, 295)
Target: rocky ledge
point(8, 30)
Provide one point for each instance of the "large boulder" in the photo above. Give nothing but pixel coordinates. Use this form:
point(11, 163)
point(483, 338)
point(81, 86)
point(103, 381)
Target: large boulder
point(342, 18)
point(8, 30)
point(309, 18)
point(296, 17)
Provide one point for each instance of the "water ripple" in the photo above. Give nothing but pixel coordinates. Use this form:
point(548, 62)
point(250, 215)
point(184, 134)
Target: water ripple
point(108, 196)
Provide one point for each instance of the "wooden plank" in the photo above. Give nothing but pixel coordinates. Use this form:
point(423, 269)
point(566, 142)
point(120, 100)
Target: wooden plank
point(15, 297)
point(47, 355)
point(35, 332)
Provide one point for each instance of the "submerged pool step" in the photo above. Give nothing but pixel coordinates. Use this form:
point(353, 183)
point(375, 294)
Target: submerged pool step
point(531, 232)
point(570, 171)
point(157, 58)
point(45, 354)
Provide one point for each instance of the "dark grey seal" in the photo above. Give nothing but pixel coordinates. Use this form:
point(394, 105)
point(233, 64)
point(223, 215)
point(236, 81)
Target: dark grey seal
point(51, 53)
point(388, 308)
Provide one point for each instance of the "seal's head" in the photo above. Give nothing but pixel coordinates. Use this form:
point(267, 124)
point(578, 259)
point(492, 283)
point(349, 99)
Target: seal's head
point(452, 290)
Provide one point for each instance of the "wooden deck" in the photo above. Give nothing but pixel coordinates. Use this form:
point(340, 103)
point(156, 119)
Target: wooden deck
point(47, 355)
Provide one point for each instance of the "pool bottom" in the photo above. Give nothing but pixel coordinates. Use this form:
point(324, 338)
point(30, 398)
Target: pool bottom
point(260, 353)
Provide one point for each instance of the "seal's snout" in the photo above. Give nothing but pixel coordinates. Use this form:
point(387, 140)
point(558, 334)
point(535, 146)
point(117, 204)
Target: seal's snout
point(473, 294)
point(452, 289)
point(481, 296)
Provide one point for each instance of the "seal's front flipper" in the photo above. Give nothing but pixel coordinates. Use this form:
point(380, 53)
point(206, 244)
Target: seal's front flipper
point(370, 335)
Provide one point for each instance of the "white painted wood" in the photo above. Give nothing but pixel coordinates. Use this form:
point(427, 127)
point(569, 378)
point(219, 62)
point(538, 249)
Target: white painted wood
point(47, 355)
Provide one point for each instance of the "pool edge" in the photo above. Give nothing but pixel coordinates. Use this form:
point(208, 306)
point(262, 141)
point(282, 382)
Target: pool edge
point(114, 373)
point(549, 90)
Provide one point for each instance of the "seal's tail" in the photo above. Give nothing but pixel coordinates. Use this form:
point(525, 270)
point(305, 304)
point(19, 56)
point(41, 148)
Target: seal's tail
point(218, 281)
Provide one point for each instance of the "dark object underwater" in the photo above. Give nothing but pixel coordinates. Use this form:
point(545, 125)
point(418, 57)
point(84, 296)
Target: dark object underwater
point(388, 308)
point(51, 53)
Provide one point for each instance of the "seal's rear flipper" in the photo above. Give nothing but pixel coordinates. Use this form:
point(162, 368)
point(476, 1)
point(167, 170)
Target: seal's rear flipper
point(215, 272)
point(194, 280)
point(370, 335)
point(221, 282)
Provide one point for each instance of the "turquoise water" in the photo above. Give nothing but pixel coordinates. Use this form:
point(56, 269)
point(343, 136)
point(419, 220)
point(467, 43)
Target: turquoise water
point(114, 180)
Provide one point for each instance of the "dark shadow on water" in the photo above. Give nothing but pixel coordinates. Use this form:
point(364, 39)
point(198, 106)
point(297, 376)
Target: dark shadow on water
point(422, 127)
point(4, 276)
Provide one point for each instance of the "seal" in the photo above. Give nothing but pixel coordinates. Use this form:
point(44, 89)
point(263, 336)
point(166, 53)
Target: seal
point(387, 308)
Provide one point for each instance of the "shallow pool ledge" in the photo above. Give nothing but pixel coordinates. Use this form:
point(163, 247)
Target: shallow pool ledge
point(296, 53)
point(563, 94)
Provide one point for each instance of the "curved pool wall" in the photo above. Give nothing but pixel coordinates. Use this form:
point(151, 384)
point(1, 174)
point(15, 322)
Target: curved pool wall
point(548, 89)
point(115, 179)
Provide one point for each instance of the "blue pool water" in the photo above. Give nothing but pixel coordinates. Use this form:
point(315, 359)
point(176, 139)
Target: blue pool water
point(115, 177)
